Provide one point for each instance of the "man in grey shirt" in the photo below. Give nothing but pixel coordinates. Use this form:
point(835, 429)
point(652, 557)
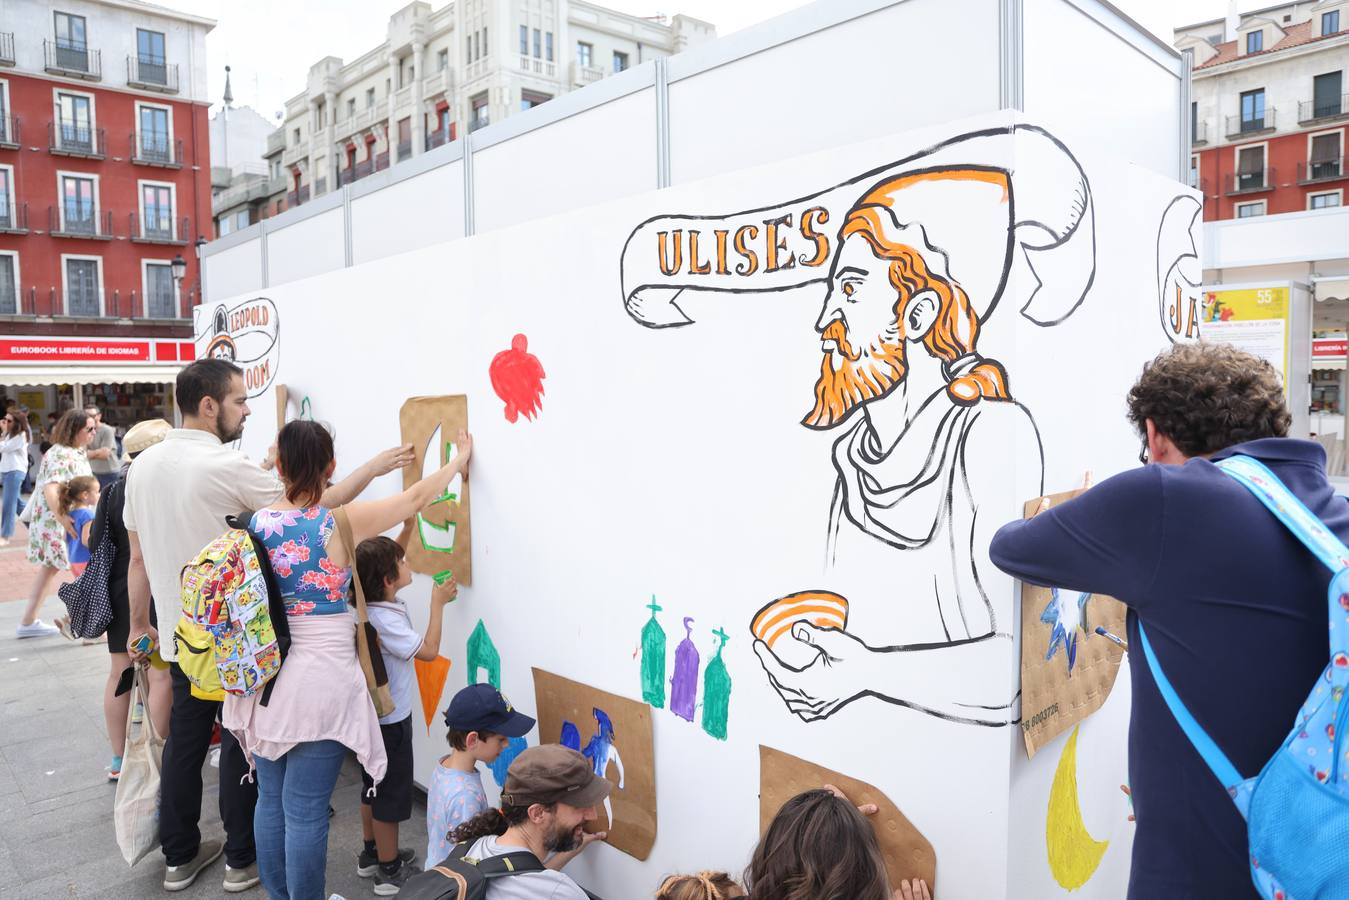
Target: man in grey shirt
point(102, 451)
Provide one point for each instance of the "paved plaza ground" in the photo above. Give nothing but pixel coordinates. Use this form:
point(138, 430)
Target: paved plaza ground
point(56, 834)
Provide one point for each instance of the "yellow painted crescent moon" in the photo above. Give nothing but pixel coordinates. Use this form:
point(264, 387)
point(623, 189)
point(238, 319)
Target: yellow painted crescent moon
point(1073, 853)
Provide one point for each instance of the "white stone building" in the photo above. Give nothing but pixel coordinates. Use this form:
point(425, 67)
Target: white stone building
point(443, 73)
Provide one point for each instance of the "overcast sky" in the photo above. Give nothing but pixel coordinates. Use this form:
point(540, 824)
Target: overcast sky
point(270, 45)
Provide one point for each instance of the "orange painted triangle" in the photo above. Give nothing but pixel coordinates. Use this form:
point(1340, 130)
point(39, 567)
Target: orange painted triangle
point(431, 682)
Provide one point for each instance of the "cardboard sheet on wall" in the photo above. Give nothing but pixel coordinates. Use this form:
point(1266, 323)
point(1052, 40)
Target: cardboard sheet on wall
point(907, 853)
point(615, 733)
point(1067, 670)
point(443, 539)
point(282, 397)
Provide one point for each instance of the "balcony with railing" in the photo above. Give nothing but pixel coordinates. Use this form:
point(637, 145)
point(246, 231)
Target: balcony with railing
point(159, 227)
point(9, 133)
point(362, 169)
point(441, 82)
point(381, 161)
point(583, 75)
point(1322, 109)
point(295, 198)
point(1318, 170)
point(97, 303)
point(538, 66)
point(1250, 182)
point(74, 60)
point(78, 220)
point(66, 138)
point(151, 73)
point(479, 121)
point(6, 48)
point(437, 138)
point(404, 150)
point(153, 148)
point(13, 217)
point(1199, 134)
point(1239, 127)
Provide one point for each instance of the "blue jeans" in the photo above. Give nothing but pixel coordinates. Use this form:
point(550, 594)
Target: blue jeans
point(10, 482)
point(291, 822)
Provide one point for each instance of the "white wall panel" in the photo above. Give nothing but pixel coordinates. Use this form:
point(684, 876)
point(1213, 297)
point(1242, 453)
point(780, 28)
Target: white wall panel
point(903, 67)
point(601, 154)
point(1080, 72)
point(310, 246)
point(237, 270)
point(410, 214)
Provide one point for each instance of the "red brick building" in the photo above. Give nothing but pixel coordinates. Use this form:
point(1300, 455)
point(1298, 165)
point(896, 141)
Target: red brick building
point(104, 192)
point(1269, 111)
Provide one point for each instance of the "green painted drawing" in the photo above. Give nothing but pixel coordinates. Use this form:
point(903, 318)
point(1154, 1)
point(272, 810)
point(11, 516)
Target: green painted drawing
point(653, 659)
point(482, 653)
point(716, 692)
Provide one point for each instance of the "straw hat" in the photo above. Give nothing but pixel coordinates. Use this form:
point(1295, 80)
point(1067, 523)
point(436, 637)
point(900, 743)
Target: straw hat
point(144, 435)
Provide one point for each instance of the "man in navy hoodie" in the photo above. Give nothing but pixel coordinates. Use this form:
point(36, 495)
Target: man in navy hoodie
point(1234, 605)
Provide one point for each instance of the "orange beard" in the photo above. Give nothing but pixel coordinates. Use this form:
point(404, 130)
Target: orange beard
point(849, 377)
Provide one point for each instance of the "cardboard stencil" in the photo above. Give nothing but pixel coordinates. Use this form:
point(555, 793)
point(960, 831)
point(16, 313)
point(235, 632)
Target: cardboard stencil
point(282, 398)
point(443, 539)
point(1067, 670)
point(615, 733)
point(907, 853)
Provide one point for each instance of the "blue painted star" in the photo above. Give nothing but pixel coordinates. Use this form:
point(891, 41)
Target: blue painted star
point(1067, 618)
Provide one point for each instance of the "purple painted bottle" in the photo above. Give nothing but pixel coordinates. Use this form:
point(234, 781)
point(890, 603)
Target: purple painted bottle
point(684, 684)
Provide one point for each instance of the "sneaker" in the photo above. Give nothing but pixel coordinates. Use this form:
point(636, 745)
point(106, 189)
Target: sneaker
point(63, 625)
point(390, 885)
point(37, 628)
point(115, 768)
point(237, 880)
point(367, 862)
point(179, 878)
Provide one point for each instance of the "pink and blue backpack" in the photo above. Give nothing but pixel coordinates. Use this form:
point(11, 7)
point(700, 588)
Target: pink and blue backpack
point(1297, 808)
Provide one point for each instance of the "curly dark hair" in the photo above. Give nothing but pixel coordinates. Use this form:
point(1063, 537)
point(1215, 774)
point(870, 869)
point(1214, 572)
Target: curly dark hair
point(1207, 397)
point(492, 822)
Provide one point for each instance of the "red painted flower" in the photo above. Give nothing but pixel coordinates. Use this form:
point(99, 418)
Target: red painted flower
point(517, 377)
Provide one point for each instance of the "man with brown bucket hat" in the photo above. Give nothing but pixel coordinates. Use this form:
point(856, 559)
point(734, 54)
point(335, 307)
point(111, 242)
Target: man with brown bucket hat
point(551, 792)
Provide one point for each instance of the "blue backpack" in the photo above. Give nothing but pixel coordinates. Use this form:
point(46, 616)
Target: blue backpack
point(1297, 808)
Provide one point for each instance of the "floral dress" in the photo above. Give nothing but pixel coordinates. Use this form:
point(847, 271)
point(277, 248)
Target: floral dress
point(46, 536)
point(296, 539)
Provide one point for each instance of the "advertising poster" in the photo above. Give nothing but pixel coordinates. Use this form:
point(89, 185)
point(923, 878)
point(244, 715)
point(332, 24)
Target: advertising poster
point(1253, 319)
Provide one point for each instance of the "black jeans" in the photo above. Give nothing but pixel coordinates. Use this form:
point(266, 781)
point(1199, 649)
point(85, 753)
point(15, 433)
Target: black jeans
point(190, 725)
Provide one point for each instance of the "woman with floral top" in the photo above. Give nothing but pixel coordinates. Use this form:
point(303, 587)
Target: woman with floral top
point(47, 532)
point(319, 707)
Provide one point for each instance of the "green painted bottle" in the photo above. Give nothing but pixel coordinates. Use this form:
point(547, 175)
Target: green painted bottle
point(653, 659)
point(716, 692)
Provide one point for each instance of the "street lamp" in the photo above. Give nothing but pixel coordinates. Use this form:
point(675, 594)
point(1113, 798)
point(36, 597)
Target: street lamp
point(179, 266)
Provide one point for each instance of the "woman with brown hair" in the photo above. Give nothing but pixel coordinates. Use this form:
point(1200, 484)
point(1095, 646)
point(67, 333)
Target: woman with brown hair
point(14, 439)
point(821, 847)
point(47, 530)
point(320, 707)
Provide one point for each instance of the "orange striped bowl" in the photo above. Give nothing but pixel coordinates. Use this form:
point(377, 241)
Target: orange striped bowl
point(822, 608)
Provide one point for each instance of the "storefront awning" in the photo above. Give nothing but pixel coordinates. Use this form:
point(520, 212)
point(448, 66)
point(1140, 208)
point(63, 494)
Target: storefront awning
point(36, 375)
point(1328, 365)
point(1331, 287)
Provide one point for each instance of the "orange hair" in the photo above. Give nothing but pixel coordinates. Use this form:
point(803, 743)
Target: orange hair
point(956, 329)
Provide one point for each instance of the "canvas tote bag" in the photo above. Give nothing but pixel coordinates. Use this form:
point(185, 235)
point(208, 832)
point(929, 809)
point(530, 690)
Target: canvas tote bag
point(135, 809)
point(367, 643)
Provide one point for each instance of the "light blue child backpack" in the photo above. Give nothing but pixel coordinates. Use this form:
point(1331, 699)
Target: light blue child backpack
point(1297, 808)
